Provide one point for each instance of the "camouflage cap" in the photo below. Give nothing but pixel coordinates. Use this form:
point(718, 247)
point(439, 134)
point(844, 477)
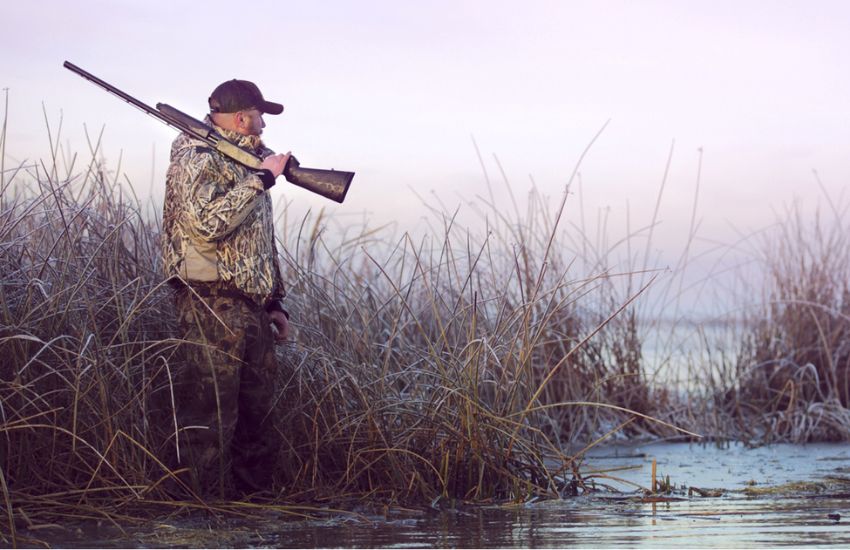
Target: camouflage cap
point(240, 95)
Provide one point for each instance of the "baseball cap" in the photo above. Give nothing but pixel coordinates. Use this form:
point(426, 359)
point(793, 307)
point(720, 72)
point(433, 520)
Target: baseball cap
point(240, 95)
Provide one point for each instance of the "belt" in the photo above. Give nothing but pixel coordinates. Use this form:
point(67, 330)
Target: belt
point(212, 289)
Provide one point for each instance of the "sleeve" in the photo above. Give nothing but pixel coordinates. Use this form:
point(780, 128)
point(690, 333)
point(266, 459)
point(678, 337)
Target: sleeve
point(215, 207)
point(276, 300)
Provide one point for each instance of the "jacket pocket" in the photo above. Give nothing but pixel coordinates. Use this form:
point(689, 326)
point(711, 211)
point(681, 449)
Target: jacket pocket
point(200, 262)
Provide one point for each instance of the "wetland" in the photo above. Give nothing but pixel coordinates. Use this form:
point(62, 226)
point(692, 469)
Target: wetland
point(458, 389)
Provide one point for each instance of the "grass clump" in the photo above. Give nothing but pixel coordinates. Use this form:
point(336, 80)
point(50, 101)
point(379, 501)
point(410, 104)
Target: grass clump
point(790, 381)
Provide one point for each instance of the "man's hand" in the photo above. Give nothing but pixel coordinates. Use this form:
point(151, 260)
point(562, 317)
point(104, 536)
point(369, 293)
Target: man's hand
point(276, 163)
point(281, 324)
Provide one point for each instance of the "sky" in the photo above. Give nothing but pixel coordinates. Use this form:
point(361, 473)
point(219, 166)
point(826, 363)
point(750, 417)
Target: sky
point(752, 96)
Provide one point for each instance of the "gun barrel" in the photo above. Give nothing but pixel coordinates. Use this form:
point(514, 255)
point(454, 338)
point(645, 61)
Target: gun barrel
point(125, 96)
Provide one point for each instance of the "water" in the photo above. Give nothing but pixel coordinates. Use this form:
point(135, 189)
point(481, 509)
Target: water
point(768, 496)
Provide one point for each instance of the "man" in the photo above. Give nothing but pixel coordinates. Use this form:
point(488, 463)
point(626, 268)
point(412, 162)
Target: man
point(220, 254)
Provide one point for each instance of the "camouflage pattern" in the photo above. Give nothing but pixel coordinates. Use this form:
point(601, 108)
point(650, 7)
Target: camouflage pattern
point(225, 392)
point(219, 240)
point(217, 219)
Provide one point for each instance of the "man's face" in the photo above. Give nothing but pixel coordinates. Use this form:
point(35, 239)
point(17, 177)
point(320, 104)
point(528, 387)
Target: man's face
point(250, 123)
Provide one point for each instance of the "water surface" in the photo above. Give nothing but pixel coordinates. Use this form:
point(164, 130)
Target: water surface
point(766, 496)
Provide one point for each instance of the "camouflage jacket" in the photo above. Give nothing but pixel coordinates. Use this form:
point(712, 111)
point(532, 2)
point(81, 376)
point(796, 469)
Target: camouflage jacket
point(218, 221)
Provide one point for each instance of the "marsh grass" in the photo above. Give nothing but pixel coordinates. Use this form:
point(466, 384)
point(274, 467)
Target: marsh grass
point(454, 367)
point(792, 369)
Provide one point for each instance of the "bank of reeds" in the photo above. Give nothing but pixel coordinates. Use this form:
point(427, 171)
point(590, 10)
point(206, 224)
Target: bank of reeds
point(458, 366)
point(452, 366)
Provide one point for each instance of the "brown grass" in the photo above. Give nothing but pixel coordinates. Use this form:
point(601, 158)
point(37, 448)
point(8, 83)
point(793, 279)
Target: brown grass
point(458, 367)
point(478, 367)
point(792, 371)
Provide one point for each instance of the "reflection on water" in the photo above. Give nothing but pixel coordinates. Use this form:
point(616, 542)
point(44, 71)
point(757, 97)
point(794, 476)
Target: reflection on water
point(735, 522)
point(804, 514)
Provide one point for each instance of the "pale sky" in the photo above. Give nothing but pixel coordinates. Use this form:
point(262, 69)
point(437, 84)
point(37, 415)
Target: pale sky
point(395, 91)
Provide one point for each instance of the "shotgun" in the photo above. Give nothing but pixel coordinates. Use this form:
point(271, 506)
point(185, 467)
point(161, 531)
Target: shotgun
point(331, 184)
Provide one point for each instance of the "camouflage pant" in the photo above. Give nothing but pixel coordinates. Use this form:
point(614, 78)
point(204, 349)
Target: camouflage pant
point(225, 392)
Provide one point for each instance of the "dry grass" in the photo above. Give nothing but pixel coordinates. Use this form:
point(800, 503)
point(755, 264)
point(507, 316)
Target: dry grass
point(462, 366)
point(790, 378)
point(455, 367)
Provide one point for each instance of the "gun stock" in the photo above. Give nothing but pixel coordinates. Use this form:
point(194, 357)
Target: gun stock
point(331, 184)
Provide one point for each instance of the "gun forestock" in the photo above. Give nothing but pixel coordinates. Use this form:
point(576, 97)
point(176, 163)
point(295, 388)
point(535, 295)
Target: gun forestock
point(236, 153)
